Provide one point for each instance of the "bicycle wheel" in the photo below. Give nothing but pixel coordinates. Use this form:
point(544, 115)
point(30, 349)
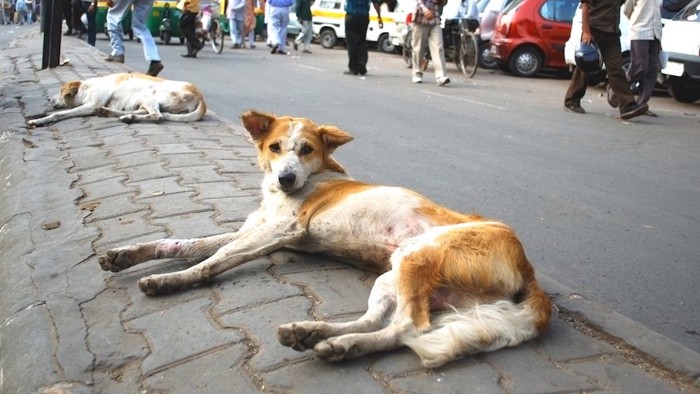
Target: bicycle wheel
point(217, 36)
point(468, 55)
point(407, 50)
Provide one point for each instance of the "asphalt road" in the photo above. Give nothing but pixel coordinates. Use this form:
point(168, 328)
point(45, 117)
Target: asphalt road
point(608, 208)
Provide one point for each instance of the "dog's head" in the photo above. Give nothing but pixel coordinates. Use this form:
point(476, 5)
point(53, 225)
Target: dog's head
point(66, 98)
point(292, 149)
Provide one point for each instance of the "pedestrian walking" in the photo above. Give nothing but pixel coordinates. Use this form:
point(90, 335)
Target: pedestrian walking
point(89, 9)
point(279, 19)
point(188, 18)
point(645, 36)
point(356, 24)
point(250, 23)
point(303, 12)
point(141, 9)
point(236, 18)
point(427, 32)
point(68, 17)
point(601, 23)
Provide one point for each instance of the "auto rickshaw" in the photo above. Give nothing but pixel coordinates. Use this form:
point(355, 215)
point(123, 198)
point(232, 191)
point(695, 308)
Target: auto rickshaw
point(164, 21)
point(101, 20)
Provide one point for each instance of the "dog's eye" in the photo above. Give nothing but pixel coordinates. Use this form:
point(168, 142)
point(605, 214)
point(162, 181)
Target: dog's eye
point(306, 150)
point(275, 147)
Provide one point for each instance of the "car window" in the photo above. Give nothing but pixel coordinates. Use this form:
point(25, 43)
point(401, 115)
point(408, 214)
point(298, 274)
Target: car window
point(559, 10)
point(330, 4)
point(690, 13)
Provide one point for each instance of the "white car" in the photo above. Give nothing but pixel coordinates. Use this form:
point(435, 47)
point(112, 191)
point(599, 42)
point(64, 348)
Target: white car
point(328, 24)
point(681, 41)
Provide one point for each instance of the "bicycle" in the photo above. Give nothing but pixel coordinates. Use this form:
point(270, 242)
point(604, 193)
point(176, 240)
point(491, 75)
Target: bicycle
point(460, 44)
point(209, 27)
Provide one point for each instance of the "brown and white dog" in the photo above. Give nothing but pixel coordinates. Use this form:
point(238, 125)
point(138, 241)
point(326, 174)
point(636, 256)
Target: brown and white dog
point(471, 272)
point(132, 97)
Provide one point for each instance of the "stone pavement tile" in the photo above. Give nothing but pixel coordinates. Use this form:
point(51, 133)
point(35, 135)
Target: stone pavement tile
point(238, 166)
point(172, 148)
point(470, 375)
point(97, 174)
point(125, 229)
point(525, 371)
point(316, 376)
point(288, 262)
point(34, 327)
point(213, 191)
point(200, 174)
point(220, 371)
point(210, 145)
point(616, 375)
point(186, 325)
point(115, 206)
point(168, 205)
point(397, 363)
point(232, 209)
point(149, 188)
point(250, 285)
point(338, 292)
point(18, 291)
point(247, 180)
point(120, 147)
point(260, 325)
point(98, 190)
point(71, 351)
point(190, 225)
point(142, 172)
point(561, 343)
point(137, 158)
point(89, 157)
point(180, 162)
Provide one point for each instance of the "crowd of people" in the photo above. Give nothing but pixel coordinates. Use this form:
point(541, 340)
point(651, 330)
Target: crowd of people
point(19, 12)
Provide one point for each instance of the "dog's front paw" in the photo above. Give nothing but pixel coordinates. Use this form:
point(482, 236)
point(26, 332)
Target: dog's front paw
point(330, 351)
point(161, 284)
point(127, 118)
point(299, 336)
point(116, 260)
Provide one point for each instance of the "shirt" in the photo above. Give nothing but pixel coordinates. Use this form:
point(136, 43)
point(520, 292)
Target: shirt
point(358, 7)
point(433, 6)
point(645, 19)
point(604, 15)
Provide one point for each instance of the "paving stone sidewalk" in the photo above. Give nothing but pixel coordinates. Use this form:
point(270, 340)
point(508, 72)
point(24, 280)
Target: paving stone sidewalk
point(78, 187)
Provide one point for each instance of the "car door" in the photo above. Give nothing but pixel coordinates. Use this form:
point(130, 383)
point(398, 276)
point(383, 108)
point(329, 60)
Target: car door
point(554, 27)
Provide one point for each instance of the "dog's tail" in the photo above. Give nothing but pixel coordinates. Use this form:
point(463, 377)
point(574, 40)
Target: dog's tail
point(196, 114)
point(483, 327)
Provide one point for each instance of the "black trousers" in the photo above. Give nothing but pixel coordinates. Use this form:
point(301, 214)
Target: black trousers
point(68, 14)
point(356, 42)
point(609, 44)
point(187, 29)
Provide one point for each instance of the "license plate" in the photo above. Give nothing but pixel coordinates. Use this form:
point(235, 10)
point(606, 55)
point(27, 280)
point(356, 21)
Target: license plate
point(674, 68)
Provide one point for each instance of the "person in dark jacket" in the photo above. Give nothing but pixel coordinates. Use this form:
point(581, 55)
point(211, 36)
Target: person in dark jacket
point(303, 12)
point(356, 23)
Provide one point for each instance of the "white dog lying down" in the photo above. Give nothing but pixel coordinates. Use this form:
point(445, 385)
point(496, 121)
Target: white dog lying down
point(470, 272)
point(133, 97)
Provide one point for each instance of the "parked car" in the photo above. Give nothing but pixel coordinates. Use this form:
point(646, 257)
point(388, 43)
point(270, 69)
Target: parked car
point(575, 39)
point(329, 24)
point(681, 41)
point(487, 27)
point(530, 35)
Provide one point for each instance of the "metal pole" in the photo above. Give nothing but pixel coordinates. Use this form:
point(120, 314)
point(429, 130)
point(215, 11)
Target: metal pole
point(52, 20)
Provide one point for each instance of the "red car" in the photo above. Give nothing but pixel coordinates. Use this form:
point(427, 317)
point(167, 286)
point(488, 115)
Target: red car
point(530, 35)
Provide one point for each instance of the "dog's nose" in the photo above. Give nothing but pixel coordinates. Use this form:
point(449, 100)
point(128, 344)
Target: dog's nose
point(287, 179)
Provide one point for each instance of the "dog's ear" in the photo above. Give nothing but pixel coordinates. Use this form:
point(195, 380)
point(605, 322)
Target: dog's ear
point(257, 123)
point(71, 88)
point(333, 137)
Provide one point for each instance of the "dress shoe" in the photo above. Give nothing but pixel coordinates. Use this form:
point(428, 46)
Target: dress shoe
point(192, 55)
point(574, 108)
point(154, 68)
point(349, 72)
point(632, 111)
point(115, 58)
point(275, 48)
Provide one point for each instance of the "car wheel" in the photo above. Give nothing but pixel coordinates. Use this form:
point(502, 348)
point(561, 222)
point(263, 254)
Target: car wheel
point(485, 59)
point(681, 91)
point(328, 38)
point(526, 62)
point(384, 44)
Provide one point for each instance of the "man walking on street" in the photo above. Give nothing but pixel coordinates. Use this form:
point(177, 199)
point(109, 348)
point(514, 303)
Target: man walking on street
point(141, 11)
point(356, 23)
point(645, 36)
point(427, 30)
point(601, 23)
point(303, 12)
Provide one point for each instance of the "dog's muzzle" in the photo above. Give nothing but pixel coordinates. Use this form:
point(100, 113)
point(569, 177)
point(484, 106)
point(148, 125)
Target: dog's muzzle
point(287, 181)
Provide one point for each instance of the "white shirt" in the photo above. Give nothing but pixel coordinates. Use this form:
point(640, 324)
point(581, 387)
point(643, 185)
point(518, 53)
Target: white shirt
point(645, 19)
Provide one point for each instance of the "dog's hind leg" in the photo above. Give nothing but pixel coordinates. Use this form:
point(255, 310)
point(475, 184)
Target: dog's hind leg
point(249, 245)
point(149, 112)
point(306, 334)
point(118, 259)
point(107, 112)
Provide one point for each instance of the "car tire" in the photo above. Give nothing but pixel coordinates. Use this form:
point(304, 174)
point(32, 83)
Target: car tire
point(525, 62)
point(681, 91)
point(384, 44)
point(485, 59)
point(328, 38)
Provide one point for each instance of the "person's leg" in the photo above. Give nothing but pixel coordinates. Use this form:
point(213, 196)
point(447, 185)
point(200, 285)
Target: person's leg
point(275, 27)
point(284, 22)
point(437, 53)
point(77, 9)
point(352, 42)
point(115, 14)
point(308, 34)
point(92, 24)
point(362, 56)
point(186, 25)
point(647, 82)
point(609, 45)
point(140, 12)
point(419, 39)
point(68, 16)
